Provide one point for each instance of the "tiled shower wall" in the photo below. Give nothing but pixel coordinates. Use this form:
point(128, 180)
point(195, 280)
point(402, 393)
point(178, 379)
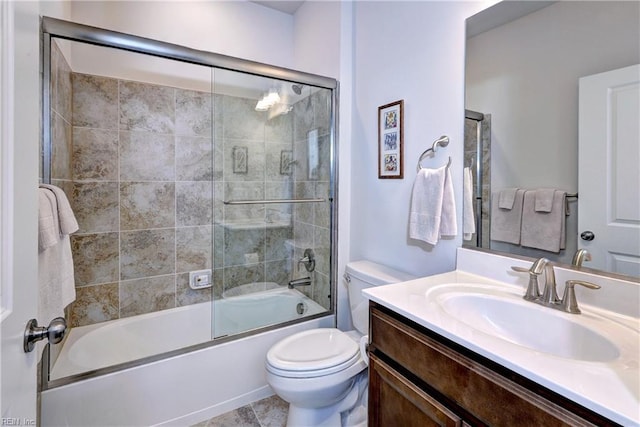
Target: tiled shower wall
point(146, 184)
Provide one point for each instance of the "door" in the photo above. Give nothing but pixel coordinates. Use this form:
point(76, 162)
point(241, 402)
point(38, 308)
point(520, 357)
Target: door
point(609, 171)
point(19, 136)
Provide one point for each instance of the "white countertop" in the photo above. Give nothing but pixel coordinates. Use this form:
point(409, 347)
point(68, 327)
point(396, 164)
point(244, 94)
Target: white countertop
point(610, 388)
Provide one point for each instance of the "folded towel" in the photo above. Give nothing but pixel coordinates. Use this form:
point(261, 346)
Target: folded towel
point(506, 223)
point(48, 228)
point(468, 218)
point(507, 198)
point(68, 223)
point(544, 199)
point(544, 230)
point(433, 210)
point(56, 284)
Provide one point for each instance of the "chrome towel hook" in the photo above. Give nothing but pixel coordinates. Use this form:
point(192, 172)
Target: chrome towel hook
point(443, 141)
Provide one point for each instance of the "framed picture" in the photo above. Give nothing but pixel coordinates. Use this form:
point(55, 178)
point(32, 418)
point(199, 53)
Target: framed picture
point(286, 162)
point(240, 159)
point(390, 141)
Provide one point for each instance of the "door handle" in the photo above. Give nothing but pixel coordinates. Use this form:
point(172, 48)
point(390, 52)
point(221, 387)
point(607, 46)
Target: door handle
point(34, 333)
point(587, 235)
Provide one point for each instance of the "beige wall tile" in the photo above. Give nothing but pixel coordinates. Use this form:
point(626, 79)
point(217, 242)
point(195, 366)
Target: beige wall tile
point(147, 107)
point(147, 295)
point(147, 253)
point(95, 101)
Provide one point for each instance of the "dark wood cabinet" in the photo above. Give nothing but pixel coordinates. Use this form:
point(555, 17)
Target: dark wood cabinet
point(418, 378)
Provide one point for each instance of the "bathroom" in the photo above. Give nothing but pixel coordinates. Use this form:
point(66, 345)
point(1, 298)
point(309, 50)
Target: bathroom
point(334, 39)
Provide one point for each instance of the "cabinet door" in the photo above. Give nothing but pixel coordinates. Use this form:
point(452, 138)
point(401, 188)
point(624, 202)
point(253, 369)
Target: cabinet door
point(395, 401)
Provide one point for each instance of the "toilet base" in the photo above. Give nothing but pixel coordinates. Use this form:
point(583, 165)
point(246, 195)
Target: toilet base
point(328, 416)
point(350, 411)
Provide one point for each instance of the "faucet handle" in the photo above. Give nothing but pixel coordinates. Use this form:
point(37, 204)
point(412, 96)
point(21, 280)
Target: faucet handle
point(569, 302)
point(533, 290)
point(308, 260)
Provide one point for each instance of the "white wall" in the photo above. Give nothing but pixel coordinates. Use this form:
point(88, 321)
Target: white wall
point(236, 28)
point(317, 38)
point(412, 51)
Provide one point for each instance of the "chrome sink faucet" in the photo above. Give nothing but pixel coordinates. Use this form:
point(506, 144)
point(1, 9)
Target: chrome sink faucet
point(549, 297)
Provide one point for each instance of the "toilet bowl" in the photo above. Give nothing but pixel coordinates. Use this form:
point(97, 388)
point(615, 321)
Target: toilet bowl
point(322, 373)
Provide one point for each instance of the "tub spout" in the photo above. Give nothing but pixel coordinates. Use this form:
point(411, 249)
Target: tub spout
point(304, 281)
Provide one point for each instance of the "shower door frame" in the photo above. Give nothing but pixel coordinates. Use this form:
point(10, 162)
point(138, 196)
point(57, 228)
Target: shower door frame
point(67, 30)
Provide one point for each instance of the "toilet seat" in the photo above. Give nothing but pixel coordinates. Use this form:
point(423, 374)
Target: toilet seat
point(313, 353)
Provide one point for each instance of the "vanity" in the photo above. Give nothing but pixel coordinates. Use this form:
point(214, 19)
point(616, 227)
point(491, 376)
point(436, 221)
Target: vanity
point(464, 348)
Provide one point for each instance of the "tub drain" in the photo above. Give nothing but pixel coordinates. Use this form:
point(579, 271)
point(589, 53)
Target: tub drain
point(301, 308)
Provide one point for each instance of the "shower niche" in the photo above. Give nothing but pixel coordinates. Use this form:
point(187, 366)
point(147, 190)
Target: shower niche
point(175, 165)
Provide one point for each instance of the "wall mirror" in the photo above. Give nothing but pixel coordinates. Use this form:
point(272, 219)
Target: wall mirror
point(525, 64)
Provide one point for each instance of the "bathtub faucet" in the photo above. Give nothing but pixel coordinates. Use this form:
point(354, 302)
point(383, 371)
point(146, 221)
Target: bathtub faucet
point(304, 281)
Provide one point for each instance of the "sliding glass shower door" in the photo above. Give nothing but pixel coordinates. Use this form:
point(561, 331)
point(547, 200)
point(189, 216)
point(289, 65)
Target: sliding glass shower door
point(272, 201)
point(205, 199)
point(131, 144)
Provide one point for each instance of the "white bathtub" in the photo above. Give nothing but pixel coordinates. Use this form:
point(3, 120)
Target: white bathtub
point(180, 390)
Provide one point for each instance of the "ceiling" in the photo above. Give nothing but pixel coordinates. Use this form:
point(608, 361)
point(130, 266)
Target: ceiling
point(286, 6)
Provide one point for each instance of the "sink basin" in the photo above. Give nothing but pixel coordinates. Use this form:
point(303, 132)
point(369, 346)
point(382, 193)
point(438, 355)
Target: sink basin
point(508, 317)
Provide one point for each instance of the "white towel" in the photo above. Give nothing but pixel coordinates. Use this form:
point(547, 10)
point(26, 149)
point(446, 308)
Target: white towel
point(48, 229)
point(506, 223)
point(544, 230)
point(68, 223)
point(55, 263)
point(448, 223)
point(433, 210)
point(468, 218)
point(507, 198)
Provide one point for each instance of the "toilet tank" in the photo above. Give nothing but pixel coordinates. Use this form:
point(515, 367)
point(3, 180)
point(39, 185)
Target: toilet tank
point(365, 274)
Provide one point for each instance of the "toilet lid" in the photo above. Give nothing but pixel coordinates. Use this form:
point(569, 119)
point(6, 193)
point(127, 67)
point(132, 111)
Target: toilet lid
point(313, 350)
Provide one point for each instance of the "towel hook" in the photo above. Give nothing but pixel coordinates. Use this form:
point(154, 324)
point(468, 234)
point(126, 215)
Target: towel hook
point(443, 141)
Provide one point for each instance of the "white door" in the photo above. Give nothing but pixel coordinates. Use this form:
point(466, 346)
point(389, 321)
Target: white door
point(609, 170)
point(19, 136)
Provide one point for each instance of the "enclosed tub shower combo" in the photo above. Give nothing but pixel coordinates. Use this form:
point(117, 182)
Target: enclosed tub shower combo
point(205, 191)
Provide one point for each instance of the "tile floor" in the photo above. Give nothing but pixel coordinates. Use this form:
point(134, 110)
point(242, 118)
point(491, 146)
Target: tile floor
point(268, 412)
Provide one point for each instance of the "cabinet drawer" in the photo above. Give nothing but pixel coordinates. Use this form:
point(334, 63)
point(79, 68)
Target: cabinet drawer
point(395, 401)
point(489, 396)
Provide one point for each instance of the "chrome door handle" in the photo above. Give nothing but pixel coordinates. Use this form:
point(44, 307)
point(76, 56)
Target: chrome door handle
point(34, 333)
point(587, 235)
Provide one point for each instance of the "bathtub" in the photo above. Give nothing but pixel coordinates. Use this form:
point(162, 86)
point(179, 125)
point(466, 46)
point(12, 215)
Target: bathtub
point(183, 389)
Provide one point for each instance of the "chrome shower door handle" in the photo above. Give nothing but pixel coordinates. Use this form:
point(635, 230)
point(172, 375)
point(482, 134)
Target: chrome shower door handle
point(33, 333)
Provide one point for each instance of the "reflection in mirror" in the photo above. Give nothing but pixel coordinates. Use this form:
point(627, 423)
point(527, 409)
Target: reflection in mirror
point(523, 72)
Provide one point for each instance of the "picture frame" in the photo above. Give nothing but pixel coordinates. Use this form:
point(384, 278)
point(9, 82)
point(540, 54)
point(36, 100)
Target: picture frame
point(391, 141)
point(286, 162)
point(240, 159)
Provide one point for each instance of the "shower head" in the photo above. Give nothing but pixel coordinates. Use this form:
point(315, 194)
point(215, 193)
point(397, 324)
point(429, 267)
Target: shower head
point(297, 89)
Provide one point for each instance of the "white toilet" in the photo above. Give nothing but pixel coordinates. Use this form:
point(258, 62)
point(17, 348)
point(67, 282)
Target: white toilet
point(322, 372)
